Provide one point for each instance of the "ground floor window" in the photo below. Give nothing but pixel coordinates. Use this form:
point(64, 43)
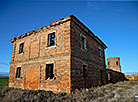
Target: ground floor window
point(18, 72)
point(49, 71)
point(84, 71)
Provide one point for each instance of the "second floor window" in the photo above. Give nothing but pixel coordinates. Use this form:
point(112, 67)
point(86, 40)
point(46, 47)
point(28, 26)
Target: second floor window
point(83, 42)
point(108, 63)
point(100, 51)
point(18, 72)
point(51, 39)
point(21, 48)
point(116, 62)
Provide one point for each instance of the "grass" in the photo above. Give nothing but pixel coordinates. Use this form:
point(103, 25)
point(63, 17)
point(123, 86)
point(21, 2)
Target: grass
point(4, 82)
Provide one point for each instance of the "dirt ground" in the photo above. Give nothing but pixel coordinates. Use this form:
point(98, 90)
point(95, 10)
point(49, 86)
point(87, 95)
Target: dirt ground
point(126, 91)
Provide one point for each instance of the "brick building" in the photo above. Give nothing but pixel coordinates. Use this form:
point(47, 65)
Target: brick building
point(114, 64)
point(60, 57)
point(114, 70)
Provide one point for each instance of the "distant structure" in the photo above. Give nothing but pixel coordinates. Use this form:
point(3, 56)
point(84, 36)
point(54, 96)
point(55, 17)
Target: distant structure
point(114, 64)
point(114, 70)
point(132, 77)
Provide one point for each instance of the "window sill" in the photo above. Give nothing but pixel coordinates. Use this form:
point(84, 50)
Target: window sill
point(100, 56)
point(54, 46)
point(21, 53)
point(84, 49)
point(54, 78)
point(18, 78)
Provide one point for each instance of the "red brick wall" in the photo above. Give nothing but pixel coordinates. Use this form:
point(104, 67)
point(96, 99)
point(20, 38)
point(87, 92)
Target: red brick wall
point(35, 57)
point(90, 56)
point(112, 64)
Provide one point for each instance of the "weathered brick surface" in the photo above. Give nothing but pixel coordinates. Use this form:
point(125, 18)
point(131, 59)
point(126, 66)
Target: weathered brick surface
point(114, 76)
point(112, 64)
point(66, 55)
point(90, 57)
point(35, 57)
point(114, 70)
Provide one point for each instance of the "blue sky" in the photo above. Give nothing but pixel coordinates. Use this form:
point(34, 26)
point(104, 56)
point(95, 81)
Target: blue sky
point(114, 22)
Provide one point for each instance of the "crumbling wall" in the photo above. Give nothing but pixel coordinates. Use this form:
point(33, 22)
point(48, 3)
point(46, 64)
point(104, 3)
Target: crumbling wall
point(114, 76)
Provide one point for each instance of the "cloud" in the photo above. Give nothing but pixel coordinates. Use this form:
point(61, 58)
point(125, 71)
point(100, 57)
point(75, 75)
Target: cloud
point(96, 7)
point(131, 72)
point(4, 63)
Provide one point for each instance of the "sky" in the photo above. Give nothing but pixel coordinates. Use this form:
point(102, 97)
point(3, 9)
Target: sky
point(114, 22)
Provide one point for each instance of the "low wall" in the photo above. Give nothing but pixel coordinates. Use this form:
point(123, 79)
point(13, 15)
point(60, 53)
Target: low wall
point(114, 76)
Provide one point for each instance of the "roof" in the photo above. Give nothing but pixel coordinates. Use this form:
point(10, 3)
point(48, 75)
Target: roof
point(110, 70)
point(57, 22)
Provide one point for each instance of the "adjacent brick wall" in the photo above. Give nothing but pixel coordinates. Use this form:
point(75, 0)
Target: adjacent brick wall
point(114, 76)
point(96, 70)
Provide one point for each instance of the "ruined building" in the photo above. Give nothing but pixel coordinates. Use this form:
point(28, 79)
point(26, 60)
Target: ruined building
point(60, 57)
point(114, 64)
point(114, 70)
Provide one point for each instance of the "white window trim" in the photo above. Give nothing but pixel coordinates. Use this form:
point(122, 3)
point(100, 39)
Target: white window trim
point(86, 66)
point(84, 63)
point(54, 65)
point(85, 48)
point(51, 47)
point(19, 48)
point(54, 46)
point(100, 51)
point(16, 70)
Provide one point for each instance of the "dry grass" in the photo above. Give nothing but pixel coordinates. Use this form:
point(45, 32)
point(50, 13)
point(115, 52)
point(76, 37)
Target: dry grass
point(120, 92)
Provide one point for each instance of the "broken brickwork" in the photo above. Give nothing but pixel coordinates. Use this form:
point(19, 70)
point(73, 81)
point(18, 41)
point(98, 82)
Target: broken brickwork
point(114, 76)
point(74, 65)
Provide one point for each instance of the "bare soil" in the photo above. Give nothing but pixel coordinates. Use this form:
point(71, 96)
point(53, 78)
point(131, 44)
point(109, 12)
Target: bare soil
point(126, 91)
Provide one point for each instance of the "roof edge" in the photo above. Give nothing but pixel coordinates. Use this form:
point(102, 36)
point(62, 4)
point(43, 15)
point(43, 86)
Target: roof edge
point(89, 31)
point(57, 22)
